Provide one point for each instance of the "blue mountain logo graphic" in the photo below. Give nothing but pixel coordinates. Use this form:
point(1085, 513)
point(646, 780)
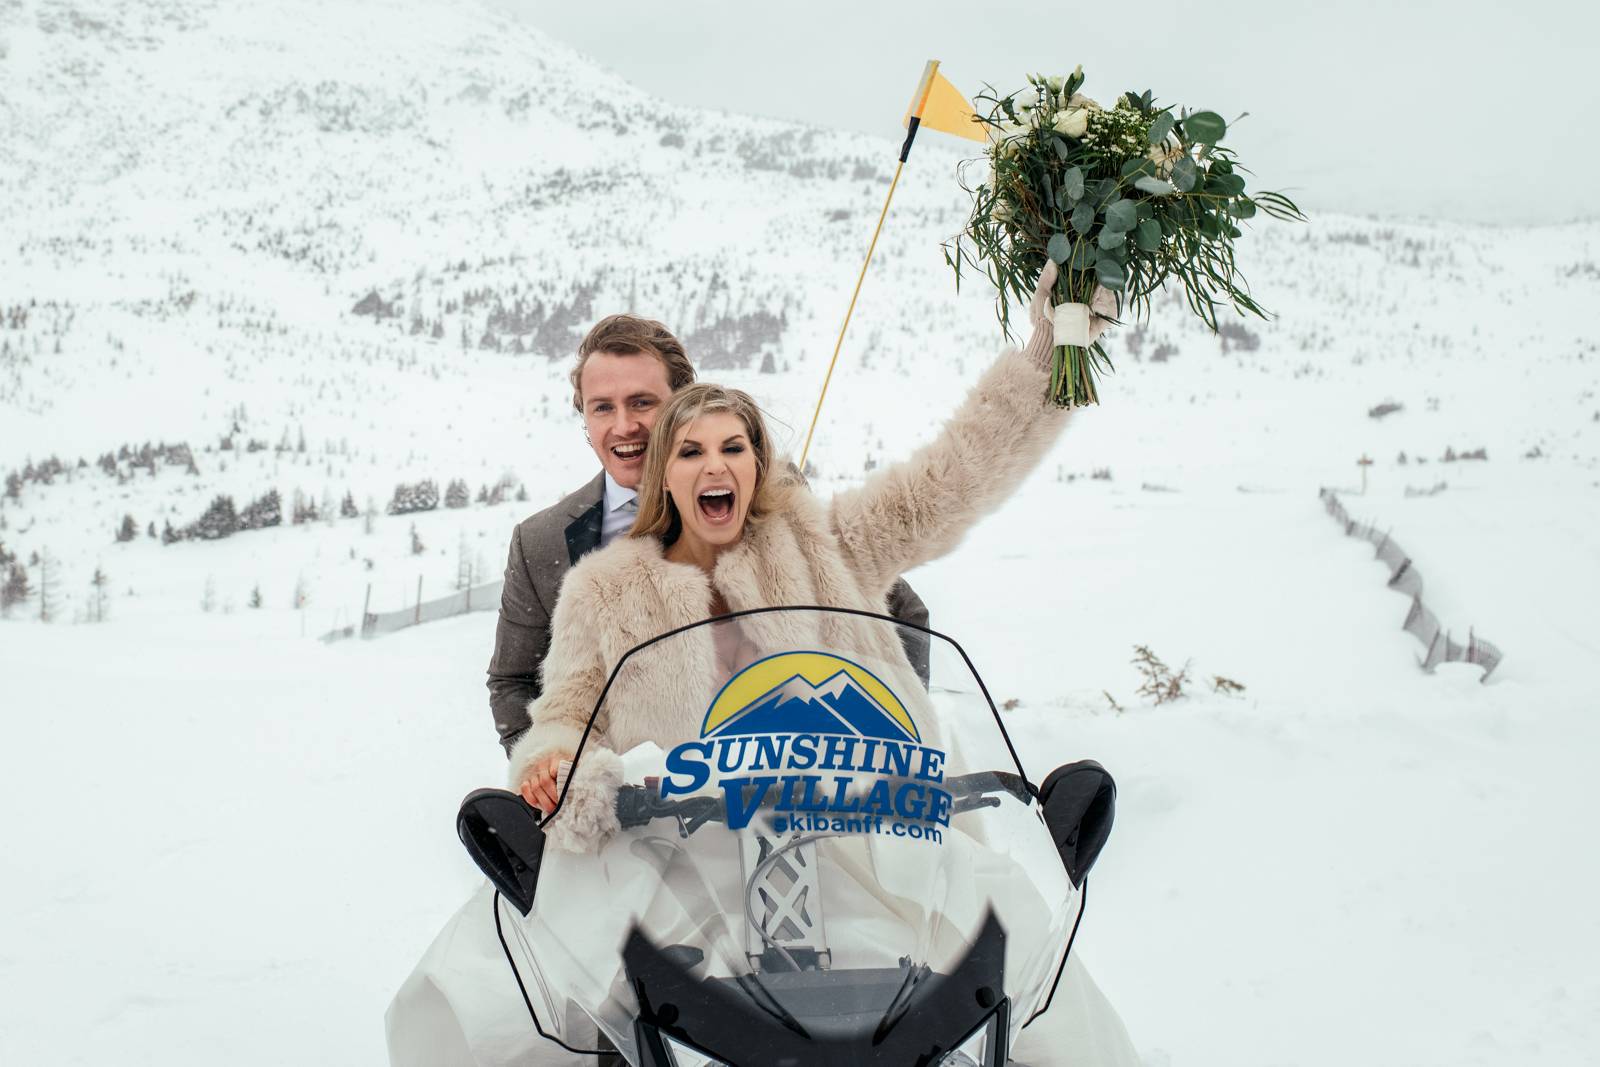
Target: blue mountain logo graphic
point(837, 706)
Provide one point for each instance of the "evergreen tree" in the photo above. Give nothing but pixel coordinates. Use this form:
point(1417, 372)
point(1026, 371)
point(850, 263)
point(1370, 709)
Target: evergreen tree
point(255, 596)
point(423, 496)
point(417, 547)
point(457, 495)
point(99, 582)
point(47, 587)
point(13, 485)
point(266, 510)
point(219, 521)
point(152, 530)
point(129, 530)
point(347, 506)
point(15, 589)
point(168, 534)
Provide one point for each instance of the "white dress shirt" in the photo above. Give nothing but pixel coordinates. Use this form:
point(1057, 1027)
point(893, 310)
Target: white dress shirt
point(618, 511)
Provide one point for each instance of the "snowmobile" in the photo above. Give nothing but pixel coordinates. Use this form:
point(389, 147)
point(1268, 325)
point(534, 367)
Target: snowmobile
point(832, 858)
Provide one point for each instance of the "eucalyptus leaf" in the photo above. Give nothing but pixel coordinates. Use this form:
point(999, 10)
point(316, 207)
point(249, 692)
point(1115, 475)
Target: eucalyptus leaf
point(1161, 127)
point(1112, 238)
point(1184, 174)
point(1205, 127)
point(1226, 184)
point(1242, 209)
point(1072, 181)
point(1155, 186)
point(1122, 216)
point(1083, 217)
point(1063, 149)
point(1059, 247)
point(1148, 235)
point(1084, 257)
point(1110, 273)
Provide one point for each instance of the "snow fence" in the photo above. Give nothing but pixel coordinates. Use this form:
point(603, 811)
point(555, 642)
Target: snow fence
point(1404, 577)
point(485, 597)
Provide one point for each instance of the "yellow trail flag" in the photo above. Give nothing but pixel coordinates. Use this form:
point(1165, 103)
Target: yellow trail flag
point(938, 105)
point(941, 106)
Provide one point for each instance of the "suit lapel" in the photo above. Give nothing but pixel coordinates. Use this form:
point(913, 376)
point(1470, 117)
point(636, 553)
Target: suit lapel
point(587, 509)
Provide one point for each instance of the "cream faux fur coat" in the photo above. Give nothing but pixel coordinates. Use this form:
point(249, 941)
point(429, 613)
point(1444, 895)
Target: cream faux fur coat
point(845, 552)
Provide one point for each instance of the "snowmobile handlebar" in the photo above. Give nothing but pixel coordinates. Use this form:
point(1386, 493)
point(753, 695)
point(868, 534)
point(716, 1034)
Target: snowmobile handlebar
point(639, 805)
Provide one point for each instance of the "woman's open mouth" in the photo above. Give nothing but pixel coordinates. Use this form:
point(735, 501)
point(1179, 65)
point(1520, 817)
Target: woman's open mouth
point(717, 506)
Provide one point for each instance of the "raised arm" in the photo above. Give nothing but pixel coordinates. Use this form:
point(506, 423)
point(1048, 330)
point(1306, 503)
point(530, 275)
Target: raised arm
point(919, 508)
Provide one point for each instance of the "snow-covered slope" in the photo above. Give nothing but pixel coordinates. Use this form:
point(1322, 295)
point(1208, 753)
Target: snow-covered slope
point(218, 821)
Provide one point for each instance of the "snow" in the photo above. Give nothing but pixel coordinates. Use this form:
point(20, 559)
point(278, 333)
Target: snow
point(227, 835)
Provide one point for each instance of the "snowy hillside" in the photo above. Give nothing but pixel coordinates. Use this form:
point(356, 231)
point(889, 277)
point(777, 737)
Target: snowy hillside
point(321, 250)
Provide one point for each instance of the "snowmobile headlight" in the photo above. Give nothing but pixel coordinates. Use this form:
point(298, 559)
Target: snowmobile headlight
point(685, 1056)
point(976, 1048)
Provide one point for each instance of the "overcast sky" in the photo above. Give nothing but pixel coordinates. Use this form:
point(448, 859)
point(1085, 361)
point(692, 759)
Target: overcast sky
point(1462, 109)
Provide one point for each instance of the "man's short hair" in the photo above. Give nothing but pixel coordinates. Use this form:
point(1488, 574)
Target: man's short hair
point(626, 335)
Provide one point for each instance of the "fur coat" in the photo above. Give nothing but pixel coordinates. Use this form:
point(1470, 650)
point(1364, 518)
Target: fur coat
point(844, 552)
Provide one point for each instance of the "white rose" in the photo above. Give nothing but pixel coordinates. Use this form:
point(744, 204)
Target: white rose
point(1072, 122)
point(1164, 155)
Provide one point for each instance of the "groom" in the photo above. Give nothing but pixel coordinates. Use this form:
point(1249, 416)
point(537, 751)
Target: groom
point(627, 368)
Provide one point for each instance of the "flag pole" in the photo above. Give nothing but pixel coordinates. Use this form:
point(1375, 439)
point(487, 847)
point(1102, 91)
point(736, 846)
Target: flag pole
point(905, 150)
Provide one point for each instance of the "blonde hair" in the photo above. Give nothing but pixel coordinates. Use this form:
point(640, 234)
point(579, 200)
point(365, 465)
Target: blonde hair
point(658, 515)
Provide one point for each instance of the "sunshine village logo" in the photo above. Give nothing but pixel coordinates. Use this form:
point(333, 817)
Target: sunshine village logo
point(823, 744)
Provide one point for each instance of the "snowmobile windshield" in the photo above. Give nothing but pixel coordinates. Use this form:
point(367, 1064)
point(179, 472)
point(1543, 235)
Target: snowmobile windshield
point(826, 851)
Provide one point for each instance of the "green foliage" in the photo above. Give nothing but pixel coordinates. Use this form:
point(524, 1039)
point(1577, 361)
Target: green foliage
point(1140, 197)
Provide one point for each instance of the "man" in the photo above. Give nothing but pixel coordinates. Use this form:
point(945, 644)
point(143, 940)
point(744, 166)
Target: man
point(627, 368)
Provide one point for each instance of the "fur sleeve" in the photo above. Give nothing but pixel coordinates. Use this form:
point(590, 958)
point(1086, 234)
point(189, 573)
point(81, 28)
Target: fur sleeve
point(573, 676)
point(919, 508)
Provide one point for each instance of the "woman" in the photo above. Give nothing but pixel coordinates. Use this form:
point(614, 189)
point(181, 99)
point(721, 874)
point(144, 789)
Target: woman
point(723, 527)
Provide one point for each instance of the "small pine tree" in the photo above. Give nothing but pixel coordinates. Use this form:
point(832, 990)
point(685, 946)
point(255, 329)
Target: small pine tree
point(208, 599)
point(48, 603)
point(128, 531)
point(347, 506)
point(522, 493)
point(457, 495)
point(168, 534)
point(417, 547)
point(255, 596)
point(151, 531)
point(99, 582)
point(15, 589)
point(302, 593)
point(13, 485)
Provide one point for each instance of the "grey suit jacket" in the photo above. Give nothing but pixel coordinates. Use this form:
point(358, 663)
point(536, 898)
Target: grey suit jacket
point(543, 547)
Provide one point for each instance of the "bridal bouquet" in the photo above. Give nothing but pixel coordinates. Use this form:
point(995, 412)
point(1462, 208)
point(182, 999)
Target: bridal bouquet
point(1124, 197)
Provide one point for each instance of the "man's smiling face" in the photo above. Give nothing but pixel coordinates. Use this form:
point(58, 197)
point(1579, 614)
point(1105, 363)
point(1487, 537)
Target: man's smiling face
point(621, 396)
